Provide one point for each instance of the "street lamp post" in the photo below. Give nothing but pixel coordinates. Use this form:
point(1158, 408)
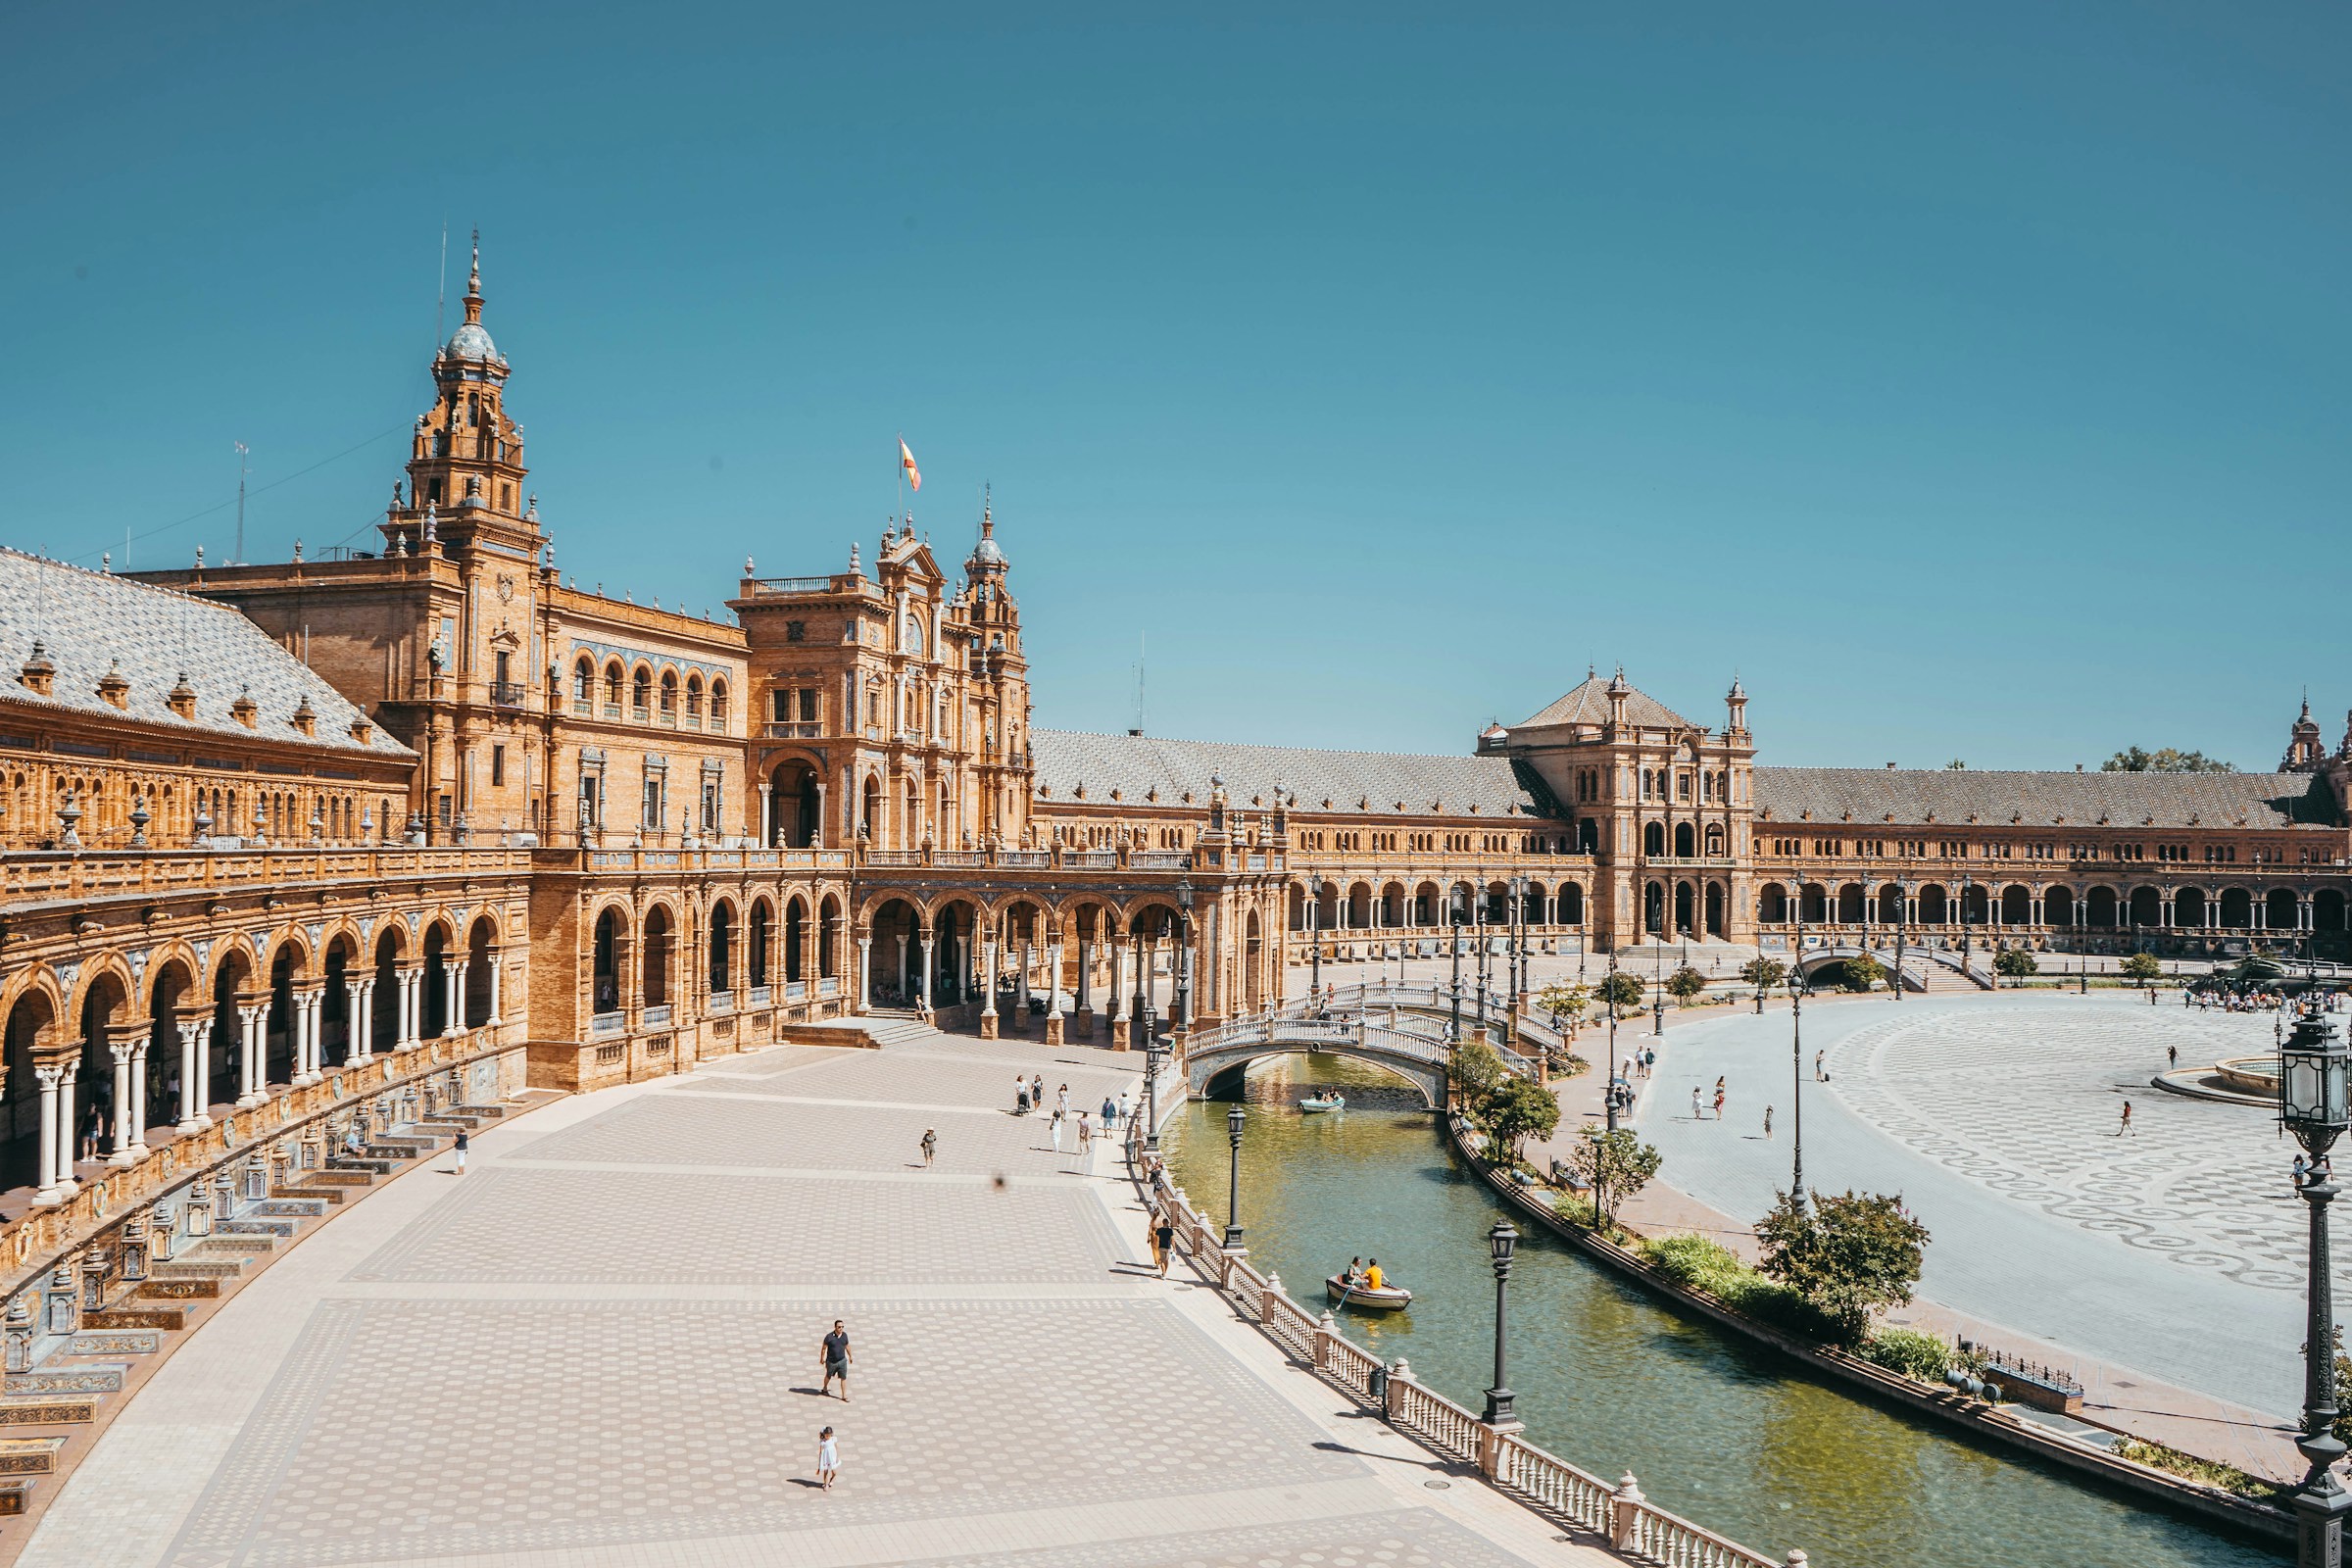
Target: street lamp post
point(2312, 1074)
point(1611, 1000)
point(1234, 1120)
point(1152, 1051)
point(1182, 1016)
point(1315, 943)
point(1902, 927)
point(1457, 911)
point(1500, 1242)
point(1797, 1065)
point(1478, 926)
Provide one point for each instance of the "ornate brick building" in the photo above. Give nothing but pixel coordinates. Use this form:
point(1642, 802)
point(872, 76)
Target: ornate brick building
point(437, 801)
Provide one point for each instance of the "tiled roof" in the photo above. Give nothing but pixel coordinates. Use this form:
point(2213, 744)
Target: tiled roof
point(88, 622)
point(1588, 703)
point(2065, 799)
point(1135, 764)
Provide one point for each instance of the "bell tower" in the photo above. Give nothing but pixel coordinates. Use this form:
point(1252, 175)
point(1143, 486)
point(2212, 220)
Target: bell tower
point(465, 469)
point(1000, 681)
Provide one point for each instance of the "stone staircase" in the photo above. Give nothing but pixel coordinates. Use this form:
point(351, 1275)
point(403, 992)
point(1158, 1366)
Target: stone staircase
point(875, 1030)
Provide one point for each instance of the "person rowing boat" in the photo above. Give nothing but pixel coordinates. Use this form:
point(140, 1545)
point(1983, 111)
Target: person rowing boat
point(1366, 1285)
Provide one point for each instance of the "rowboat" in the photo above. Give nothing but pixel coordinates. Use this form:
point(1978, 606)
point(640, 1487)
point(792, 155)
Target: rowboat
point(1316, 1103)
point(1387, 1298)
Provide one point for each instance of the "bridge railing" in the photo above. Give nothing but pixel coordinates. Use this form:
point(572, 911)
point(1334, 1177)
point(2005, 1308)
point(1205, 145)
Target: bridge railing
point(1619, 1515)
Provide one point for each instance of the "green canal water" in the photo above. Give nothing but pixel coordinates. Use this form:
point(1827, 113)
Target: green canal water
point(1716, 1428)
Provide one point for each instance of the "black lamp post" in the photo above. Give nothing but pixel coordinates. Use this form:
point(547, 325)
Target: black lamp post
point(1152, 1051)
point(1501, 1240)
point(1233, 1199)
point(2314, 1070)
point(1903, 927)
point(1478, 926)
point(1315, 943)
point(1182, 1015)
point(1457, 964)
point(1797, 1065)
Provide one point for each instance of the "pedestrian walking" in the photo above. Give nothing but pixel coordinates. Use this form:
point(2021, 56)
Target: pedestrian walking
point(461, 1151)
point(1110, 1113)
point(2301, 1171)
point(1695, 1112)
point(2172, 1056)
point(1163, 1243)
point(1037, 1090)
point(1062, 1101)
point(1821, 1072)
point(92, 1124)
point(1768, 1123)
point(1086, 1134)
point(1122, 1104)
point(1058, 1132)
point(1021, 1095)
point(835, 1353)
point(828, 1460)
point(1719, 1102)
point(930, 1145)
point(2125, 1127)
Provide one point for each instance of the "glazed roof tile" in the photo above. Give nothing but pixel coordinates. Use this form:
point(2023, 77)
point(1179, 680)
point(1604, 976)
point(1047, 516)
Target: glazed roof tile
point(2067, 800)
point(88, 621)
point(1588, 703)
point(1136, 765)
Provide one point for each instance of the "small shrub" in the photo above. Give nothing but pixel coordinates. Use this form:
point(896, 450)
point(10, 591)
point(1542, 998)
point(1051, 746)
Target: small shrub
point(1699, 1265)
point(1922, 1357)
point(2188, 1467)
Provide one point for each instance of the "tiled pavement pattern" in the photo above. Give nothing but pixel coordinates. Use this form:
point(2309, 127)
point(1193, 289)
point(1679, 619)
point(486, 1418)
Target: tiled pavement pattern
point(519, 1224)
point(601, 1347)
point(2173, 1251)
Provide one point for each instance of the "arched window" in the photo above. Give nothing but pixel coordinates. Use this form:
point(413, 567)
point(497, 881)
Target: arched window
point(694, 697)
point(1653, 839)
point(914, 635)
point(670, 694)
point(583, 681)
point(641, 694)
point(718, 702)
point(612, 680)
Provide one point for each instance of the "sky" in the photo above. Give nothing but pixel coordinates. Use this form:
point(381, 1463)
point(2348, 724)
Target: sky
point(1967, 381)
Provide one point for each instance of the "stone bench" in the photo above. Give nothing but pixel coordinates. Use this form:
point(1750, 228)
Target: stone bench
point(46, 1410)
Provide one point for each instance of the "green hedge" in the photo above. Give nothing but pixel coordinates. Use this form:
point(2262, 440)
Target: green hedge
point(1704, 1266)
point(1921, 1356)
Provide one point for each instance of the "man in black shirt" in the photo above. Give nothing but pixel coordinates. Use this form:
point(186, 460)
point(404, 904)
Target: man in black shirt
point(837, 1361)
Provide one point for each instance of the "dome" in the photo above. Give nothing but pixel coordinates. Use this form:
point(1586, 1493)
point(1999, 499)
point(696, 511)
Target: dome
point(989, 553)
point(472, 342)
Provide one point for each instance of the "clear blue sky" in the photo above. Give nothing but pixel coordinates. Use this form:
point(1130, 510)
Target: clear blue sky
point(1973, 385)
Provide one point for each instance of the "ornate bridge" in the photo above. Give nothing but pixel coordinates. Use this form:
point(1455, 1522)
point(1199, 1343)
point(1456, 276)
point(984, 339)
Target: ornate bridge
point(1418, 1054)
point(1915, 967)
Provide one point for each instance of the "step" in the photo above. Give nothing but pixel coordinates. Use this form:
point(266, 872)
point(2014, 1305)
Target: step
point(116, 1342)
point(29, 1456)
point(182, 1290)
point(174, 1318)
point(47, 1410)
point(328, 1194)
point(95, 1376)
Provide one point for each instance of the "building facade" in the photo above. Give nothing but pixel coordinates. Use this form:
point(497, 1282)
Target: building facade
point(266, 822)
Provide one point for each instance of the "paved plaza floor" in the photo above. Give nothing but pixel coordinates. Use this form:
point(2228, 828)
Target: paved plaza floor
point(2175, 1249)
point(600, 1347)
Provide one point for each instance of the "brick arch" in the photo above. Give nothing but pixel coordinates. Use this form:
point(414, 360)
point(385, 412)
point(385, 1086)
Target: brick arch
point(108, 965)
point(39, 980)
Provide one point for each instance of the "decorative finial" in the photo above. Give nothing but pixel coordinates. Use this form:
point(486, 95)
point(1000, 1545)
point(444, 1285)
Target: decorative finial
point(106, 563)
point(747, 566)
point(855, 571)
point(531, 513)
point(432, 522)
point(473, 280)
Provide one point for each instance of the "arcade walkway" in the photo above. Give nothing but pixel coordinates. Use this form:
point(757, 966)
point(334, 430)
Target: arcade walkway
point(600, 1347)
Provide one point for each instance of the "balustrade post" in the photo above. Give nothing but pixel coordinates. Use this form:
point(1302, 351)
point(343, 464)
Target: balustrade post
point(1625, 1513)
point(1326, 1329)
point(1400, 1374)
point(1268, 1297)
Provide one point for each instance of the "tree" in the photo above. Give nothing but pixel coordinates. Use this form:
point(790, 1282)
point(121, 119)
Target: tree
point(1621, 991)
point(1849, 1256)
point(1684, 984)
point(1477, 1069)
point(1514, 1111)
point(2140, 760)
point(1862, 971)
point(2015, 962)
point(1763, 973)
point(1615, 1165)
point(1564, 999)
point(2142, 967)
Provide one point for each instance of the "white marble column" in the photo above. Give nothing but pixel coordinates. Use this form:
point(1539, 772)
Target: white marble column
point(498, 964)
point(120, 1051)
point(1118, 966)
point(865, 972)
point(253, 1022)
point(354, 1021)
point(139, 1095)
point(63, 1176)
point(195, 1043)
point(454, 974)
point(988, 977)
point(1053, 979)
point(924, 980)
point(49, 1078)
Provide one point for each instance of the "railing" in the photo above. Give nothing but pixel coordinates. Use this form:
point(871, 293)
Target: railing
point(601, 1024)
point(505, 694)
point(798, 729)
point(1031, 860)
point(761, 995)
point(94, 874)
point(829, 986)
point(796, 990)
point(1091, 860)
point(1160, 860)
point(1620, 1515)
point(720, 1001)
point(655, 1016)
point(762, 587)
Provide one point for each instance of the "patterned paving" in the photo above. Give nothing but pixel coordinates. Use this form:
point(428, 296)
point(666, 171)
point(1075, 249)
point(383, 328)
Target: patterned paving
point(1405, 1539)
point(612, 1423)
point(925, 1078)
point(519, 1224)
point(712, 1125)
point(2027, 1102)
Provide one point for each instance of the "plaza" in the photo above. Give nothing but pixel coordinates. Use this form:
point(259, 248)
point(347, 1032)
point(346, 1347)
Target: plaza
point(2175, 1250)
point(600, 1347)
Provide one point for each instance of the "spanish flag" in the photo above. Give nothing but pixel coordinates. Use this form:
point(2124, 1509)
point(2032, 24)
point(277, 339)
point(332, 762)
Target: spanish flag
point(914, 476)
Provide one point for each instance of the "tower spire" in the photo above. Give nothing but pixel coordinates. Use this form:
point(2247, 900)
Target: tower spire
point(473, 283)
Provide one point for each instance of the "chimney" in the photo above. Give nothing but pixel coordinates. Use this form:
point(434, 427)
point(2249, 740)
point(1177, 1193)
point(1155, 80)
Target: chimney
point(111, 687)
point(243, 709)
point(39, 675)
point(361, 730)
point(305, 718)
point(182, 699)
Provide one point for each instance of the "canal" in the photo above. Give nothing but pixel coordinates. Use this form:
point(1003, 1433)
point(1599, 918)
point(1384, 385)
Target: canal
point(1718, 1430)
